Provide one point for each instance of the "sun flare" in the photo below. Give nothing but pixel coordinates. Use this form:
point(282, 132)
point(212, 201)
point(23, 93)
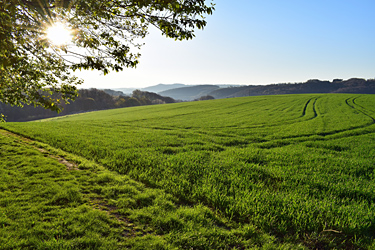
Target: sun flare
point(58, 34)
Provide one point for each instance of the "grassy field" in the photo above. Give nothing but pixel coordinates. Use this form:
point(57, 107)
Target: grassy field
point(267, 172)
point(50, 199)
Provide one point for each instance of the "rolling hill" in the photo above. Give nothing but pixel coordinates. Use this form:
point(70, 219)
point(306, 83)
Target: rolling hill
point(282, 171)
point(163, 87)
point(155, 88)
point(189, 93)
point(353, 85)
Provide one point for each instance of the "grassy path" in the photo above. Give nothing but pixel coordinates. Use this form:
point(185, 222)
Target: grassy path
point(50, 199)
point(46, 202)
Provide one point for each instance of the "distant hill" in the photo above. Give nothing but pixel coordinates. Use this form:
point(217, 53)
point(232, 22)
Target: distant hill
point(93, 99)
point(155, 88)
point(184, 92)
point(229, 85)
point(189, 93)
point(163, 87)
point(126, 91)
point(353, 85)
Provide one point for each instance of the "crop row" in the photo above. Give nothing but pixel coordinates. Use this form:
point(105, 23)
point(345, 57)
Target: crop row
point(296, 166)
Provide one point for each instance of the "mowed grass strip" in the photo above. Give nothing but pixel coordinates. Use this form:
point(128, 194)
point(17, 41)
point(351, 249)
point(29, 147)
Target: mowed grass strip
point(48, 205)
point(299, 167)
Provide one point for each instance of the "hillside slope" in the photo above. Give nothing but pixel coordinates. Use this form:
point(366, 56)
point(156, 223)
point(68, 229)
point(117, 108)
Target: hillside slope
point(299, 168)
point(163, 87)
point(189, 93)
point(51, 199)
point(353, 85)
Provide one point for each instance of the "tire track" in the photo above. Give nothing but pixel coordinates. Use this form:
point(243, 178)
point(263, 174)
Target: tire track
point(313, 108)
point(286, 122)
point(304, 138)
point(358, 110)
point(292, 139)
point(305, 107)
point(363, 108)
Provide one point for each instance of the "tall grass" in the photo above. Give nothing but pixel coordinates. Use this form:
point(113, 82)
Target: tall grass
point(47, 205)
point(300, 167)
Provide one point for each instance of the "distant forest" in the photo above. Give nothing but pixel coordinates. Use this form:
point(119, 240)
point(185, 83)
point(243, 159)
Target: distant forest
point(88, 100)
point(353, 85)
point(94, 99)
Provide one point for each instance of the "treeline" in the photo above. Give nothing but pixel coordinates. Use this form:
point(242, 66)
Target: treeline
point(94, 99)
point(88, 100)
point(353, 85)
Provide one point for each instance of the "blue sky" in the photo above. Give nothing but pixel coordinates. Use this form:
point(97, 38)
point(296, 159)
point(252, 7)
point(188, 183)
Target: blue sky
point(260, 42)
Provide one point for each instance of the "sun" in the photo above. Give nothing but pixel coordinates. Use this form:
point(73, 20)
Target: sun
point(59, 34)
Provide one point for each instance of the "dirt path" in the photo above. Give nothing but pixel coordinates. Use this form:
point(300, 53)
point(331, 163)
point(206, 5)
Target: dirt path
point(70, 165)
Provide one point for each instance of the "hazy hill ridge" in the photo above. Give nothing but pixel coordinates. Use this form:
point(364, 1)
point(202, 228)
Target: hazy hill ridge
point(353, 85)
point(94, 99)
point(189, 93)
point(163, 87)
point(156, 88)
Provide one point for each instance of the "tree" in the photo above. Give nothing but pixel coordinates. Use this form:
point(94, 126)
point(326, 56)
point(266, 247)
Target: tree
point(205, 98)
point(105, 36)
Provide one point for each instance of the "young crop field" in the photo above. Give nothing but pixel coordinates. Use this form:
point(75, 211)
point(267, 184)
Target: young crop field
point(289, 171)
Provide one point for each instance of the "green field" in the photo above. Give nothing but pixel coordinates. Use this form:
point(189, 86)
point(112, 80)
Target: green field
point(255, 172)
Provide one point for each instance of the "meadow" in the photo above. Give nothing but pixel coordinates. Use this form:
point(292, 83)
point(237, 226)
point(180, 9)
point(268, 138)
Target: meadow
point(288, 171)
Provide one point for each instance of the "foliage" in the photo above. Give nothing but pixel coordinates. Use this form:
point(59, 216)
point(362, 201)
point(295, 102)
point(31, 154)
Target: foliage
point(87, 100)
point(106, 37)
point(299, 167)
point(353, 85)
point(205, 98)
point(152, 97)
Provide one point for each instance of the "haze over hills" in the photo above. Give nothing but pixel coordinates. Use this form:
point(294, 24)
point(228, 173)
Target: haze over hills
point(353, 85)
point(185, 92)
point(160, 88)
point(94, 99)
point(156, 88)
point(189, 93)
point(163, 87)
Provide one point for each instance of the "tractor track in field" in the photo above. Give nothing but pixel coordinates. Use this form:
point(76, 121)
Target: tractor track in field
point(359, 110)
point(283, 141)
point(291, 121)
point(355, 102)
point(332, 133)
point(311, 104)
point(313, 108)
point(307, 104)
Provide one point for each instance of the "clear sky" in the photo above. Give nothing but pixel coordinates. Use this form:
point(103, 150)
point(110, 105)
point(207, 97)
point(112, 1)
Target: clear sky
point(260, 42)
